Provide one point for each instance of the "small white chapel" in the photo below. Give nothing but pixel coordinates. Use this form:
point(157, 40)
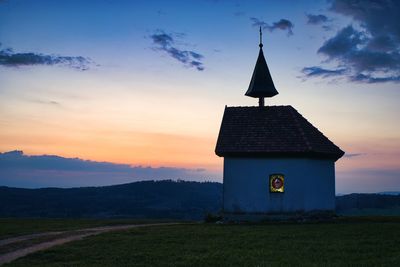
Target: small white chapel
point(275, 161)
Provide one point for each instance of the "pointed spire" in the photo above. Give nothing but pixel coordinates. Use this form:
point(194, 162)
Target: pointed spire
point(261, 84)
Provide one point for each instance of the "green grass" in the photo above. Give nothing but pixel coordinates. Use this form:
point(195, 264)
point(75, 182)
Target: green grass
point(370, 242)
point(15, 227)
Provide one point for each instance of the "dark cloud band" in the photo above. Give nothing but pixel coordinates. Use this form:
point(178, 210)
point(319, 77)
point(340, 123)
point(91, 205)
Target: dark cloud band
point(8, 58)
point(17, 169)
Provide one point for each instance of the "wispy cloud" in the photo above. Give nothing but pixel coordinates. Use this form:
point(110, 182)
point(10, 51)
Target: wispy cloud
point(367, 78)
point(316, 19)
point(9, 58)
point(371, 49)
point(166, 43)
point(352, 155)
point(45, 102)
point(318, 71)
point(282, 24)
point(319, 20)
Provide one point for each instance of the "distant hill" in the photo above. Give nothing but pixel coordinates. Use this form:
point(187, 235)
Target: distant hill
point(154, 199)
point(390, 193)
point(147, 199)
point(368, 204)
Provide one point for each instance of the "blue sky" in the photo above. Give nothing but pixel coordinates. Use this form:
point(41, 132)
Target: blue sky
point(144, 83)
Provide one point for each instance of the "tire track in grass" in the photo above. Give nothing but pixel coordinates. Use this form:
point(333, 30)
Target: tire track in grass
point(75, 235)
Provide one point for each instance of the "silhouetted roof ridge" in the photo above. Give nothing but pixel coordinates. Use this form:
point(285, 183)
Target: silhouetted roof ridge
point(293, 110)
point(258, 106)
point(315, 128)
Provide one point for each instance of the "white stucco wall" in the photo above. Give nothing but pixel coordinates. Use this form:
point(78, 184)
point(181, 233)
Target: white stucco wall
point(309, 185)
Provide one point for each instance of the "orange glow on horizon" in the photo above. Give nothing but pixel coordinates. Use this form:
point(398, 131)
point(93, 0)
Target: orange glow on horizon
point(145, 149)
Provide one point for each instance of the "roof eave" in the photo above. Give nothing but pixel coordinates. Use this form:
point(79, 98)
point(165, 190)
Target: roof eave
point(305, 154)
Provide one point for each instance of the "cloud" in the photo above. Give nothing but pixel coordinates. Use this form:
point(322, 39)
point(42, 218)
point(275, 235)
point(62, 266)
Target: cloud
point(370, 79)
point(45, 102)
point(17, 160)
point(320, 19)
point(166, 42)
point(318, 71)
point(370, 49)
point(352, 48)
point(352, 155)
point(19, 170)
point(345, 41)
point(8, 58)
point(283, 24)
point(316, 19)
point(375, 16)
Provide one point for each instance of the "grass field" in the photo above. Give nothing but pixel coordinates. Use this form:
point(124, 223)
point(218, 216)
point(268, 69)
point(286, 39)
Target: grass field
point(366, 241)
point(14, 227)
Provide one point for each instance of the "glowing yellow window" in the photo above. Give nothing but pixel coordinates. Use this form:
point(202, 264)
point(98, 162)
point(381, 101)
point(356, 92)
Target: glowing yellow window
point(277, 183)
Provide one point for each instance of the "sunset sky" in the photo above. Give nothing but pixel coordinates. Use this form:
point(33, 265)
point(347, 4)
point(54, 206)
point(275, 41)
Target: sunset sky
point(143, 85)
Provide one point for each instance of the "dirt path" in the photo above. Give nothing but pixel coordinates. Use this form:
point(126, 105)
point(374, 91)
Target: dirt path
point(12, 240)
point(75, 235)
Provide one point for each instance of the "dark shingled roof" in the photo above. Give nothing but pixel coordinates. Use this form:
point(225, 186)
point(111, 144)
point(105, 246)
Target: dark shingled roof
point(272, 131)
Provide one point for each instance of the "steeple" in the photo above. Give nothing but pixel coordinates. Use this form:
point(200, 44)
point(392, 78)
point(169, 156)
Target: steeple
point(261, 84)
